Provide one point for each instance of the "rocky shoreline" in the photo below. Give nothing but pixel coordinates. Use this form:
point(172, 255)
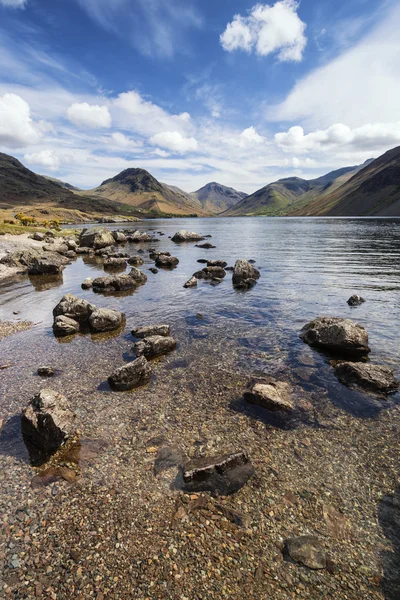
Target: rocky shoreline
point(108, 516)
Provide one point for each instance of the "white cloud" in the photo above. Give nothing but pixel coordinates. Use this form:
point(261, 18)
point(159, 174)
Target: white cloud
point(251, 136)
point(267, 30)
point(360, 86)
point(174, 141)
point(45, 158)
point(14, 3)
point(162, 153)
point(17, 129)
point(122, 141)
point(372, 137)
point(87, 115)
point(147, 118)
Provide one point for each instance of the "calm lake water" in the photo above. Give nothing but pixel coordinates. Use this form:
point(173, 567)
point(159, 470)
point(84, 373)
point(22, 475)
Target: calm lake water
point(309, 267)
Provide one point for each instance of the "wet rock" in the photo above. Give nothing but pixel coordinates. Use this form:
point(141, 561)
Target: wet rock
point(48, 421)
point(115, 263)
point(216, 263)
point(84, 250)
point(336, 335)
point(96, 237)
point(155, 345)
point(140, 236)
point(137, 275)
point(151, 330)
point(167, 458)
point(355, 300)
point(206, 245)
point(87, 284)
point(244, 274)
point(153, 270)
point(49, 263)
point(131, 375)
point(203, 261)
point(105, 319)
point(119, 237)
point(75, 308)
point(45, 371)
point(71, 254)
point(64, 326)
point(119, 282)
point(371, 378)
point(272, 394)
point(187, 236)
point(214, 272)
point(191, 283)
point(136, 261)
point(39, 237)
point(19, 258)
point(307, 550)
point(166, 262)
point(220, 475)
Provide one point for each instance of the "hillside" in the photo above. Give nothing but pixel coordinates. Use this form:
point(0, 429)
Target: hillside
point(139, 189)
point(22, 190)
point(216, 198)
point(372, 190)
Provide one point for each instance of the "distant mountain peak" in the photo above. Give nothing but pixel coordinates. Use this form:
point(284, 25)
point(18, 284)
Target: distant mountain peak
point(217, 198)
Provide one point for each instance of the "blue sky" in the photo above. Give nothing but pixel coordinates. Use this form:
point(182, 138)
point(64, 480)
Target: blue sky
point(198, 90)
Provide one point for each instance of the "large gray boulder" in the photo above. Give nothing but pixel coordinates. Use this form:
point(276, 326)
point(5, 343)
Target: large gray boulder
point(63, 326)
point(220, 475)
point(187, 236)
point(371, 378)
point(131, 375)
point(155, 345)
point(96, 237)
point(48, 420)
point(149, 330)
point(244, 274)
point(49, 263)
point(271, 394)
point(75, 308)
point(105, 319)
point(341, 336)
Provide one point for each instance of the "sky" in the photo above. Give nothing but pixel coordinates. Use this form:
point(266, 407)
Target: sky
point(233, 91)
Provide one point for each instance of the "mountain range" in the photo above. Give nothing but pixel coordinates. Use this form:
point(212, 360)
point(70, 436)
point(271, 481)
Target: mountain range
point(372, 188)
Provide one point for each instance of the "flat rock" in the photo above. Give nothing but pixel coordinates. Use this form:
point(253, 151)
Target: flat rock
point(131, 375)
point(244, 274)
point(105, 319)
point(187, 236)
point(371, 378)
point(273, 395)
point(151, 330)
point(337, 335)
point(307, 550)
point(355, 300)
point(206, 246)
point(48, 420)
point(216, 263)
point(155, 345)
point(64, 326)
point(220, 475)
point(114, 263)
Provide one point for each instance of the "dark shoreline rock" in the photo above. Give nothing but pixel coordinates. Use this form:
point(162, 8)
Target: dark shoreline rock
point(132, 375)
point(334, 334)
point(271, 394)
point(155, 345)
point(220, 475)
point(355, 300)
point(244, 274)
point(149, 330)
point(370, 378)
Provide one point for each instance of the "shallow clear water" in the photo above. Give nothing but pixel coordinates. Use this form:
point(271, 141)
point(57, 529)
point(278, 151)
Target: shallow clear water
point(309, 267)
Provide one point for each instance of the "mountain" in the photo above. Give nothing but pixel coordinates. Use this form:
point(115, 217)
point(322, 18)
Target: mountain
point(63, 184)
point(22, 190)
point(137, 188)
point(373, 190)
point(291, 195)
point(216, 198)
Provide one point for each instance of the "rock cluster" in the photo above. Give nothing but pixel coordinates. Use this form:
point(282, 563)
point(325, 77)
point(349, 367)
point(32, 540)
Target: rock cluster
point(117, 283)
point(73, 314)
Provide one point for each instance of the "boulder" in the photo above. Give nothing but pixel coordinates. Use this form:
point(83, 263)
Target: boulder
point(39, 237)
point(341, 336)
point(220, 475)
point(155, 345)
point(166, 262)
point(115, 263)
point(207, 246)
point(272, 394)
point(131, 375)
point(64, 326)
point(84, 250)
point(96, 237)
point(48, 421)
point(150, 330)
point(117, 283)
point(105, 319)
point(187, 236)
point(244, 274)
point(87, 284)
point(136, 261)
point(355, 300)
point(214, 272)
point(49, 263)
point(137, 275)
point(192, 283)
point(307, 550)
point(215, 263)
point(119, 237)
point(19, 258)
point(45, 371)
point(74, 308)
point(371, 378)
point(140, 236)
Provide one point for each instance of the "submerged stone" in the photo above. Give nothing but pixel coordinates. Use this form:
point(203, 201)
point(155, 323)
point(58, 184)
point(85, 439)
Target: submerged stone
point(272, 394)
point(371, 378)
point(150, 330)
point(131, 375)
point(220, 475)
point(307, 550)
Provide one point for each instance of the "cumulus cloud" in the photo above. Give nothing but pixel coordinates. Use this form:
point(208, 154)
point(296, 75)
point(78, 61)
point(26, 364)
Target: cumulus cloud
point(13, 3)
point(267, 30)
point(87, 115)
point(372, 136)
point(147, 118)
point(45, 158)
point(251, 136)
point(174, 141)
point(17, 129)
